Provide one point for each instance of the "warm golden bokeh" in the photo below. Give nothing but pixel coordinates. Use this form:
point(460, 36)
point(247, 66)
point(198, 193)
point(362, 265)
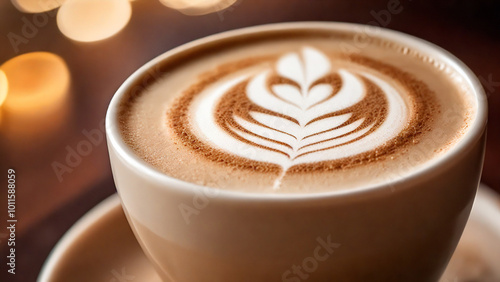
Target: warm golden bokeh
point(37, 81)
point(36, 6)
point(37, 103)
point(93, 20)
point(198, 7)
point(4, 87)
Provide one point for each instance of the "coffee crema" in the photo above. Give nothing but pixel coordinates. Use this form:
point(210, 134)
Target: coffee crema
point(297, 114)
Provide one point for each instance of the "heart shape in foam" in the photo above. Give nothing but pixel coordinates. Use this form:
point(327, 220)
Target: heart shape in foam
point(304, 108)
point(315, 115)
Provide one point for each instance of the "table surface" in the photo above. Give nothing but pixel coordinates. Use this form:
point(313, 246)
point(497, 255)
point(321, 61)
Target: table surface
point(47, 207)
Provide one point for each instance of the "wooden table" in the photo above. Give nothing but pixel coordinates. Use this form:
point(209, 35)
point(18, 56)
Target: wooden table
point(47, 207)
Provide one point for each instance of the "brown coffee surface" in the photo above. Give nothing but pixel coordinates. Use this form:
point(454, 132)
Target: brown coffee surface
point(297, 112)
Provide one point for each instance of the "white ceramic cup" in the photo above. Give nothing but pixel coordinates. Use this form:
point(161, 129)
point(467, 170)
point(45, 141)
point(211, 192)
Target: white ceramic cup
point(405, 230)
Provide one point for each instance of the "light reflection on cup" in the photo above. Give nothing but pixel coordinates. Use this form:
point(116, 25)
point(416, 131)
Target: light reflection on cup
point(36, 6)
point(37, 102)
point(198, 7)
point(93, 20)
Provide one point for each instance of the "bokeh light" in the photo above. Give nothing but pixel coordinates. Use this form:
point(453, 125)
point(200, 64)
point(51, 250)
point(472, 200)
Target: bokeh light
point(37, 103)
point(36, 6)
point(93, 20)
point(36, 80)
point(4, 86)
point(198, 7)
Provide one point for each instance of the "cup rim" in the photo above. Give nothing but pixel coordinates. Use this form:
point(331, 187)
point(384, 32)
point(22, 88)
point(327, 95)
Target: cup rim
point(472, 135)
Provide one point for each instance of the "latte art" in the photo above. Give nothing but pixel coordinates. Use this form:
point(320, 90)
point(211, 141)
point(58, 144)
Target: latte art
point(301, 110)
point(295, 113)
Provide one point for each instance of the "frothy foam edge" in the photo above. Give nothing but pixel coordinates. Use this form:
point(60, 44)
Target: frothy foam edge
point(338, 165)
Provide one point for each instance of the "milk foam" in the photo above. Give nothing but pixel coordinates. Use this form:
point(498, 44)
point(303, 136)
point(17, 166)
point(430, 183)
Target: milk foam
point(296, 115)
point(309, 135)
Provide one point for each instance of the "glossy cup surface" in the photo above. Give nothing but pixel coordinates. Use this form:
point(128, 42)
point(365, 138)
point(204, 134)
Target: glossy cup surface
point(399, 231)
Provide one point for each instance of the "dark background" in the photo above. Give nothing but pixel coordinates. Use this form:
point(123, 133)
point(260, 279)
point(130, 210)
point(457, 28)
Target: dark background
point(47, 207)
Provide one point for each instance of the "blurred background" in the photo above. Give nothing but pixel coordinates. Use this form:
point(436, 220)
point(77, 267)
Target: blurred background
point(60, 66)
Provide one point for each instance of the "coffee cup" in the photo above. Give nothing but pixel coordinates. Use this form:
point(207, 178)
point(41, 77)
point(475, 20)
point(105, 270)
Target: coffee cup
point(399, 211)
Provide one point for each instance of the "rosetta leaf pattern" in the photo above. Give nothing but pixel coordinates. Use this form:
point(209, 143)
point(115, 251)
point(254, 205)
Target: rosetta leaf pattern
point(304, 112)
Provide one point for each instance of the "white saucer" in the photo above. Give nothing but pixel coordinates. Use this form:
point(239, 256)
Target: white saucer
point(101, 247)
